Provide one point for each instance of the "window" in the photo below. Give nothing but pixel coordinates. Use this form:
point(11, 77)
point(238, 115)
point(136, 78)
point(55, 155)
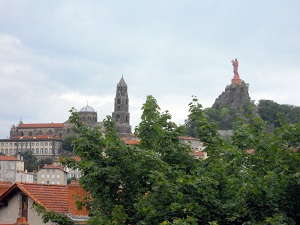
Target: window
point(52, 182)
point(46, 150)
point(10, 151)
point(58, 176)
point(10, 144)
point(25, 206)
point(42, 143)
point(57, 182)
point(53, 175)
point(43, 175)
point(47, 181)
point(46, 143)
point(48, 176)
point(43, 182)
point(32, 144)
point(37, 144)
point(37, 151)
point(2, 144)
point(6, 144)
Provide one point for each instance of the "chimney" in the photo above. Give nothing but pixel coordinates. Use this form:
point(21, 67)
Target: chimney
point(76, 193)
point(21, 221)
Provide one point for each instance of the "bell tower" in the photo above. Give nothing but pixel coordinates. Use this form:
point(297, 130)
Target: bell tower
point(121, 109)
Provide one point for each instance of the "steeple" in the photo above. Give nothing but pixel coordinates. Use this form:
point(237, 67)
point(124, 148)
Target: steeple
point(236, 77)
point(121, 109)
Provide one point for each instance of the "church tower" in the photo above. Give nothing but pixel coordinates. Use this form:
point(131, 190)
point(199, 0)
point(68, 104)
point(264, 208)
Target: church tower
point(121, 110)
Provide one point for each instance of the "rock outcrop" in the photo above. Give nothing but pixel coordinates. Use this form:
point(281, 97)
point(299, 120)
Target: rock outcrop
point(235, 97)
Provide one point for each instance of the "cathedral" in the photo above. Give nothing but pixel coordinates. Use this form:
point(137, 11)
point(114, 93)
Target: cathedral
point(87, 114)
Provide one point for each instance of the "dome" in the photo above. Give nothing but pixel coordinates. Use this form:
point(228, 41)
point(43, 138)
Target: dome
point(87, 108)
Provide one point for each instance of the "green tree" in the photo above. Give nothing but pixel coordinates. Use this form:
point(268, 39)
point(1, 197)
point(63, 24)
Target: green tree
point(158, 182)
point(30, 161)
point(67, 143)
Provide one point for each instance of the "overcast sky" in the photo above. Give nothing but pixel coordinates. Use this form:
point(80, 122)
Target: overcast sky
point(55, 55)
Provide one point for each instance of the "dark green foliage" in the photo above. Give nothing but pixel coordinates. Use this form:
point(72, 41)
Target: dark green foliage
point(67, 143)
point(30, 161)
point(158, 182)
point(270, 112)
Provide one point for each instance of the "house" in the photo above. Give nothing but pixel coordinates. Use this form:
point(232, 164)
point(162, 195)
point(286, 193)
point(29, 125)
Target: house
point(73, 173)
point(196, 146)
point(19, 199)
point(24, 176)
point(9, 166)
point(52, 174)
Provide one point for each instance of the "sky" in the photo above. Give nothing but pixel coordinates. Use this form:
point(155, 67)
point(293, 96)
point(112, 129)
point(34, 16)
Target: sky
point(59, 54)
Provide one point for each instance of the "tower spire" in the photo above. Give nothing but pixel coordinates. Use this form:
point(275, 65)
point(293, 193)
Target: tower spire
point(121, 110)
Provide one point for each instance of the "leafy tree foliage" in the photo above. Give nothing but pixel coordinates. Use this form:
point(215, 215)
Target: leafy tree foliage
point(67, 143)
point(270, 112)
point(158, 182)
point(30, 161)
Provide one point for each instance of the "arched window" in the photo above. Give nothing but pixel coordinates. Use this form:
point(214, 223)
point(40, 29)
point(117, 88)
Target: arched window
point(118, 118)
point(126, 119)
point(50, 132)
point(119, 101)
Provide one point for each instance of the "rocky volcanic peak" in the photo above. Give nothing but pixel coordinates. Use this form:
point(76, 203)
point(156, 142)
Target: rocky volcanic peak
point(235, 96)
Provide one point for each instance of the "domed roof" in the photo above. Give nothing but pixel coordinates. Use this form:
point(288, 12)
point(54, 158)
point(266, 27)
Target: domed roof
point(87, 108)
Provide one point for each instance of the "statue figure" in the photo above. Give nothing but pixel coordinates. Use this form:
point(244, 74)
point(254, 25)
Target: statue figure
point(235, 64)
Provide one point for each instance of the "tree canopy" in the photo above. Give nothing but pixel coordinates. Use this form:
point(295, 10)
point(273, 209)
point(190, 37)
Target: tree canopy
point(159, 182)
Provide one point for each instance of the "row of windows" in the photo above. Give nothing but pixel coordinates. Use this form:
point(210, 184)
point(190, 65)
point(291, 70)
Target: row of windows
point(28, 144)
point(48, 182)
point(34, 151)
point(53, 176)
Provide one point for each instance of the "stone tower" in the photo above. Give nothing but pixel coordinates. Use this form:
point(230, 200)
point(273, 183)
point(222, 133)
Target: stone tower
point(121, 110)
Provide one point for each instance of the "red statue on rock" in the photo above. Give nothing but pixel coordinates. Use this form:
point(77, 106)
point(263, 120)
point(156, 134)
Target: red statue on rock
point(236, 77)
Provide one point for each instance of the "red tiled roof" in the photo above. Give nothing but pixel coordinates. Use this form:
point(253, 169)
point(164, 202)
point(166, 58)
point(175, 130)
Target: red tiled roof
point(188, 138)
point(197, 153)
point(250, 151)
point(76, 158)
point(52, 166)
point(41, 125)
point(52, 197)
point(7, 158)
point(4, 186)
point(132, 142)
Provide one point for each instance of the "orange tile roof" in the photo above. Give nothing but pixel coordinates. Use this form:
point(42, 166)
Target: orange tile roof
point(197, 153)
point(52, 197)
point(41, 125)
point(188, 138)
point(7, 158)
point(76, 158)
point(4, 186)
point(132, 142)
point(250, 151)
point(52, 166)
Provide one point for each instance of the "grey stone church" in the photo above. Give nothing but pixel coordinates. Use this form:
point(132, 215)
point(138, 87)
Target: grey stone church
point(87, 114)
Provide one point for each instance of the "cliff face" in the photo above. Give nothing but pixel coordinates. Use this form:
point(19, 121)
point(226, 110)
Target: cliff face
point(234, 97)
